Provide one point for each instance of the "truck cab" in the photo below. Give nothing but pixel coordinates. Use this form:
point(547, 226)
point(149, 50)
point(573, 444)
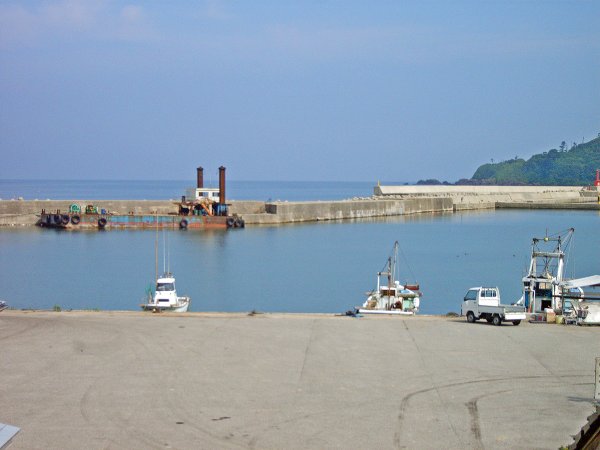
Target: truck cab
point(484, 303)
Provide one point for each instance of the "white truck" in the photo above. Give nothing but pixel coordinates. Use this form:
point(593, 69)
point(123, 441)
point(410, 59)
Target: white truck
point(484, 303)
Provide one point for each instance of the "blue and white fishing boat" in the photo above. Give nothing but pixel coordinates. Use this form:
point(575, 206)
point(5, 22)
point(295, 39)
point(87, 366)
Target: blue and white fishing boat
point(392, 298)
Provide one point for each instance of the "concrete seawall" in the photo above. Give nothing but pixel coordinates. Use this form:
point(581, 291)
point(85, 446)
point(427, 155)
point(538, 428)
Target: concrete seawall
point(290, 212)
point(26, 213)
point(387, 201)
point(483, 197)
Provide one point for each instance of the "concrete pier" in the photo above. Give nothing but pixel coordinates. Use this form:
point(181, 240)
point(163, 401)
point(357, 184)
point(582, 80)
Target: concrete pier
point(483, 197)
point(386, 201)
point(26, 213)
point(291, 212)
point(98, 380)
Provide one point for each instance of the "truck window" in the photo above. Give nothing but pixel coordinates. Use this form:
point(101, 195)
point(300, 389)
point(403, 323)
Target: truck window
point(471, 295)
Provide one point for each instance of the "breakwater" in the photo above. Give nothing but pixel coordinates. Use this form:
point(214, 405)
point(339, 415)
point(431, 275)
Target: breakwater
point(26, 213)
point(488, 197)
point(386, 201)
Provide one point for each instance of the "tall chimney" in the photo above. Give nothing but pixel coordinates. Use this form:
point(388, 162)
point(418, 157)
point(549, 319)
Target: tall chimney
point(222, 185)
point(199, 177)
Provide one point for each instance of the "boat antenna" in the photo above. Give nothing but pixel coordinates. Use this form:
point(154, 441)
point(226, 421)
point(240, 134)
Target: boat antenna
point(164, 252)
point(156, 251)
point(395, 268)
point(168, 255)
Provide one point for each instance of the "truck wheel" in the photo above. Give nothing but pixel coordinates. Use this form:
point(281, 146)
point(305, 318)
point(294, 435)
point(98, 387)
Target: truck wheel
point(516, 322)
point(497, 320)
point(470, 317)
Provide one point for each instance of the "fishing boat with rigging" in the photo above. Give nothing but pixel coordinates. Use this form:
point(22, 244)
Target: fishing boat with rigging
point(393, 298)
point(165, 298)
point(546, 289)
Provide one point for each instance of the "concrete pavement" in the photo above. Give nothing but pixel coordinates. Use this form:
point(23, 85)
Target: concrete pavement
point(111, 380)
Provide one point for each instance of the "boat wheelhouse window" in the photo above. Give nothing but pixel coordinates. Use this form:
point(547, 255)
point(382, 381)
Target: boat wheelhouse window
point(471, 295)
point(543, 289)
point(165, 287)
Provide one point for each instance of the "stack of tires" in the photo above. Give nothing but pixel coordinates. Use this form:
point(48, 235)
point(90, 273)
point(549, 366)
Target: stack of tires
point(235, 222)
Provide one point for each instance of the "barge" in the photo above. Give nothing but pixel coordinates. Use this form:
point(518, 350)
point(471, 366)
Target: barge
point(201, 207)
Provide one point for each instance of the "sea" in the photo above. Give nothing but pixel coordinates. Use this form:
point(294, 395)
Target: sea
point(324, 267)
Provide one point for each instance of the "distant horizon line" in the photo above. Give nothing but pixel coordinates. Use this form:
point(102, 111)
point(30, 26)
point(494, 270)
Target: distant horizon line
point(54, 180)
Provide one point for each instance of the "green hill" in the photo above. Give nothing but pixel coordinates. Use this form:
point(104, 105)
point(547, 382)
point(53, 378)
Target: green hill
point(574, 167)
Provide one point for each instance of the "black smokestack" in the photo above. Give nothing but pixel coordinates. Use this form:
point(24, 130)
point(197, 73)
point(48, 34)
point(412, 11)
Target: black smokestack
point(199, 177)
point(222, 185)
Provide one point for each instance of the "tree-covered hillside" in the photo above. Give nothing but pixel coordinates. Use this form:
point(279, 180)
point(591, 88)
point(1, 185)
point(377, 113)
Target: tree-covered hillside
point(574, 167)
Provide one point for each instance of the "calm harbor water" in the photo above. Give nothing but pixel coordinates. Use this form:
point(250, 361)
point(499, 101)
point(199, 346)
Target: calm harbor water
point(319, 267)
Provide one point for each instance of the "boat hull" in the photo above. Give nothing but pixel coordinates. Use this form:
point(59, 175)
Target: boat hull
point(589, 313)
point(70, 221)
point(158, 308)
point(392, 312)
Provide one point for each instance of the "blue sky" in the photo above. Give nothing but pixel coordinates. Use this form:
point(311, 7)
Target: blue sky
point(290, 90)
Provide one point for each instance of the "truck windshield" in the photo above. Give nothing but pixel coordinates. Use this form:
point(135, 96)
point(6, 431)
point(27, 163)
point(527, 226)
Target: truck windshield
point(471, 295)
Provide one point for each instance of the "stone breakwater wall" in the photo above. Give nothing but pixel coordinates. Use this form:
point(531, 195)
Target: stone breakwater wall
point(482, 197)
point(26, 213)
point(386, 201)
point(292, 212)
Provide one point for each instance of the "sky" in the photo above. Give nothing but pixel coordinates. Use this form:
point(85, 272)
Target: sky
point(292, 90)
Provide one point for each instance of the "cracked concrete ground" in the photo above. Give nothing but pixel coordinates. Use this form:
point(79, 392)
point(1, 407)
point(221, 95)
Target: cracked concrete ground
point(111, 380)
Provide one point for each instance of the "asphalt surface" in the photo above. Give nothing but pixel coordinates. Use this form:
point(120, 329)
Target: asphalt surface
point(104, 380)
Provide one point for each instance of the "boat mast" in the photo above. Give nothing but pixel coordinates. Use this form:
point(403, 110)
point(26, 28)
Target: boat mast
point(168, 255)
point(164, 253)
point(156, 251)
point(394, 269)
point(389, 286)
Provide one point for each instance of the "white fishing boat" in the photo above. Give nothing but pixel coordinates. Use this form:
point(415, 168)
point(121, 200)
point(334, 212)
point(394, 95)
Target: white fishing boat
point(165, 298)
point(546, 289)
point(393, 297)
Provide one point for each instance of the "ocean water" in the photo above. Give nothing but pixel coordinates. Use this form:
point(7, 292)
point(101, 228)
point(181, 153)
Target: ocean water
point(324, 267)
point(165, 190)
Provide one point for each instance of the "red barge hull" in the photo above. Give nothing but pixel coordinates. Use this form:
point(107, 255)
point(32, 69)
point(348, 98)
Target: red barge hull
point(71, 221)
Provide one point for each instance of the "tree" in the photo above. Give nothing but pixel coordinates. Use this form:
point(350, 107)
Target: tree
point(563, 146)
